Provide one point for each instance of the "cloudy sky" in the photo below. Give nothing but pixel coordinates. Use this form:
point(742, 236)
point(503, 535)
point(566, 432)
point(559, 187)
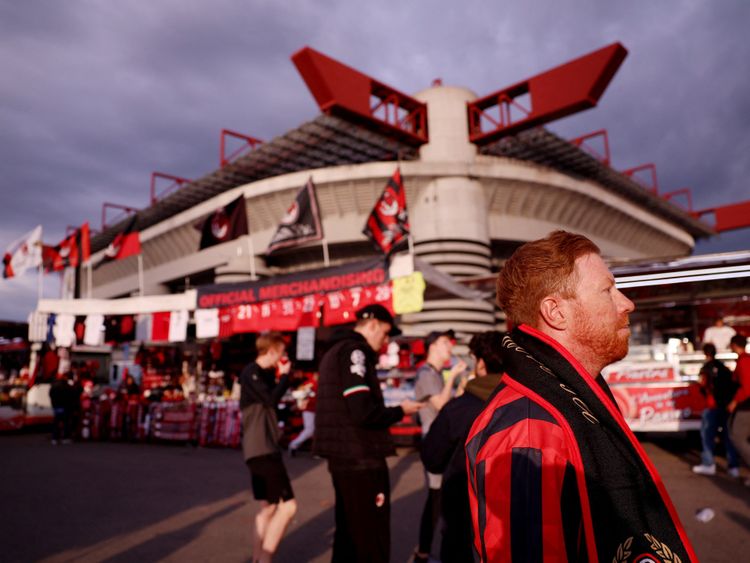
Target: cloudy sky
point(94, 95)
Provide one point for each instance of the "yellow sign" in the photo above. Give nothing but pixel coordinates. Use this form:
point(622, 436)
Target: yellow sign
point(408, 293)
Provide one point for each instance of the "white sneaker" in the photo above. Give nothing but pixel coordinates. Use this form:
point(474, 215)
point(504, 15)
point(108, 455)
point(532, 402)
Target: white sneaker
point(704, 469)
point(734, 472)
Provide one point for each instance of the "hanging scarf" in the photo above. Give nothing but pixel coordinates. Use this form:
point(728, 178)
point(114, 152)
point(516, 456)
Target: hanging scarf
point(627, 513)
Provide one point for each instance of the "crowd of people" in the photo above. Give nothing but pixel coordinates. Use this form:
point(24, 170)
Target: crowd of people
point(526, 459)
point(530, 458)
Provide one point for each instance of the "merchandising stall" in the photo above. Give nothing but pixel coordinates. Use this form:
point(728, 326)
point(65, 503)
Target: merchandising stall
point(174, 358)
point(656, 386)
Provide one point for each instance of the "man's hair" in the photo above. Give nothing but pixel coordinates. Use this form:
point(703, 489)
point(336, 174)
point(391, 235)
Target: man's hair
point(739, 340)
point(537, 269)
point(268, 340)
point(486, 346)
point(709, 350)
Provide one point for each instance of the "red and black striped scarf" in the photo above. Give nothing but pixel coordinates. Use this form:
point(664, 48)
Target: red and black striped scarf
point(625, 506)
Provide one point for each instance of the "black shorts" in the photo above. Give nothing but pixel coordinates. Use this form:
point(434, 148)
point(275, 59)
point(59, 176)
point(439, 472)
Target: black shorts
point(269, 478)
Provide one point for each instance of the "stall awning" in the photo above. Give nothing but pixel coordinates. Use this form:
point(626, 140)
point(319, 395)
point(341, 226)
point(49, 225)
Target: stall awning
point(125, 306)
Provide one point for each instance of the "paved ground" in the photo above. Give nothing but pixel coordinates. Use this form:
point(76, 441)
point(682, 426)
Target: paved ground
point(132, 502)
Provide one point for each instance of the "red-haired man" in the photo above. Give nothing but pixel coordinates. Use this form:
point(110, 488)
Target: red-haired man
point(554, 471)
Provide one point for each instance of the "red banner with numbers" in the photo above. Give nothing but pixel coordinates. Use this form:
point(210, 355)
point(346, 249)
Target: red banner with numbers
point(339, 307)
point(279, 314)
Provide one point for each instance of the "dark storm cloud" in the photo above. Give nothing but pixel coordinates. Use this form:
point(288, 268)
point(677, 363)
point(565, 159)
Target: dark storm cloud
point(97, 95)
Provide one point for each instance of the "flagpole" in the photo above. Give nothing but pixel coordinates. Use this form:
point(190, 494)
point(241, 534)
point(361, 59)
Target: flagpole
point(40, 284)
point(251, 250)
point(89, 279)
point(140, 275)
point(326, 257)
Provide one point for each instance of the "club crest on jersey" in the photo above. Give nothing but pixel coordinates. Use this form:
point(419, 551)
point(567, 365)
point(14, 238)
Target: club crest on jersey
point(357, 359)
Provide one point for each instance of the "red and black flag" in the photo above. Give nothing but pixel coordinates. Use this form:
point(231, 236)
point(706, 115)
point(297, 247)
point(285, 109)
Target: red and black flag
point(301, 223)
point(71, 252)
point(388, 223)
point(84, 242)
point(225, 224)
point(126, 243)
point(63, 255)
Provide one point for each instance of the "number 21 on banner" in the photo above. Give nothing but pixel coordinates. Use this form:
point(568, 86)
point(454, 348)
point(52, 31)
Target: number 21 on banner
point(244, 312)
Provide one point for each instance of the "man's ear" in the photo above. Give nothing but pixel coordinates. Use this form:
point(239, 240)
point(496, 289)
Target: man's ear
point(553, 313)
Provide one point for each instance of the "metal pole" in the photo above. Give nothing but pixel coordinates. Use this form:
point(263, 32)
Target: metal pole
point(250, 248)
point(89, 280)
point(140, 275)
point(40, 284)
point(326, 257)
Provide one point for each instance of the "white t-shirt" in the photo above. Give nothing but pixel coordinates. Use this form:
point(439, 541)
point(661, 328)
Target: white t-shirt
point(719, 336)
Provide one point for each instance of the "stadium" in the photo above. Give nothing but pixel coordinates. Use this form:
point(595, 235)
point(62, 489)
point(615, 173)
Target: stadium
point(481, 176)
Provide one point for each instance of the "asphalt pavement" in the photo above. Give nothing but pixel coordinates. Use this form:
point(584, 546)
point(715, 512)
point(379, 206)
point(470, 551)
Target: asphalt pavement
point(149, 502)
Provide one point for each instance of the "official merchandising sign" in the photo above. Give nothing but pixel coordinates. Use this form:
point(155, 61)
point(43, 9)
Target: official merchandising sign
point(328, 296)
point(324, 280)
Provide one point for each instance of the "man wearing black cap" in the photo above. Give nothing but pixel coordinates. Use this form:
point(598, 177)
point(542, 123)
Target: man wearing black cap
point(351, 432)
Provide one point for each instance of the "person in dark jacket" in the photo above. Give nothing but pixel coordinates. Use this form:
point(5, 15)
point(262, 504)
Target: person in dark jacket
point(719, 388)
point(260, 393)
point(63, 400)
point(443, 446)
point(351, 432)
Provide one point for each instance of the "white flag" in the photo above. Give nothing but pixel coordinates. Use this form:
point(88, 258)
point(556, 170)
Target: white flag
point(178, 323)
point(206, 323)
point(64, 330)
point(93, 335)
point(24, 253)
point(38, 326)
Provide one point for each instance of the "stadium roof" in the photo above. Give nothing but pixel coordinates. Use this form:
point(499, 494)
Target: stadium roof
point(331, 141)
point(547, 149)
point(352, 131)
point(324, 141)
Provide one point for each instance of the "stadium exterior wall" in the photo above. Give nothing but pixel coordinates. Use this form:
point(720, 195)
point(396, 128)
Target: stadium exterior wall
point(460, 205)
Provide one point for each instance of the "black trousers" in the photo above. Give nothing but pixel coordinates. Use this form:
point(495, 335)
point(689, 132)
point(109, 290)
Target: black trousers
point(429, 522)
point(62, 424)
point(363, 515)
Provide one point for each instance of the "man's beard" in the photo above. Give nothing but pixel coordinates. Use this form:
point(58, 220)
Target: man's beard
point(604, 342)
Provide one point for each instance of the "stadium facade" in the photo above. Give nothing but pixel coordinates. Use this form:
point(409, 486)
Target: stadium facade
point(472, 197)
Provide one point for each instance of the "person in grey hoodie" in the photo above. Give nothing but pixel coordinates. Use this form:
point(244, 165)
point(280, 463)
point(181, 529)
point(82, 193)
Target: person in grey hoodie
point(443, 446)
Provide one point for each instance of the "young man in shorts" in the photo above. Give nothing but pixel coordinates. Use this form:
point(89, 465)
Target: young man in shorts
point(260, 393)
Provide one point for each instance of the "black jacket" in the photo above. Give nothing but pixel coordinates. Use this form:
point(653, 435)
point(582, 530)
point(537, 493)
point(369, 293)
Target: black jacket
point(62, 395)
point(258, 399)
point(443, 452)
point(718, 382)
point(351, 421)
